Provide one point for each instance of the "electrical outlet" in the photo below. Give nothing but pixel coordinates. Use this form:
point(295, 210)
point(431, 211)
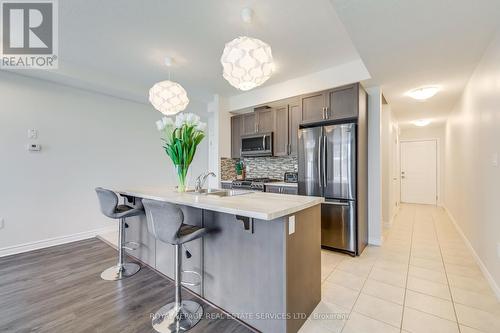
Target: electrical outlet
point(2, 223)
point(494, 160)
point(291, 224)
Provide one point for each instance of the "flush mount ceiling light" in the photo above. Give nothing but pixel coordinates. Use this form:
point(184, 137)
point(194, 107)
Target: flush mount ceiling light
point(168, 97)
point(247, 62)
point(423, 93)
point(421, 122)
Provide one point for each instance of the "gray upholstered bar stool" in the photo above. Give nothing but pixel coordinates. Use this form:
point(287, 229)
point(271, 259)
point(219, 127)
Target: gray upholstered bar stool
point(108, 200)
point(166, 224)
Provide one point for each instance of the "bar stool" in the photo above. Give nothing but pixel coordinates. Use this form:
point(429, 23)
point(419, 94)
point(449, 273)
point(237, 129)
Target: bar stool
point(166, 224)
point(108, 200)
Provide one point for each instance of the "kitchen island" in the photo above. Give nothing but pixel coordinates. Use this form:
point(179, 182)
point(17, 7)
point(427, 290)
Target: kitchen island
point(260, 262)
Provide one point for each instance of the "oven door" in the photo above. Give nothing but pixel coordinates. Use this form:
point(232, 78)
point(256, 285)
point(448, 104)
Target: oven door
point(257, 145)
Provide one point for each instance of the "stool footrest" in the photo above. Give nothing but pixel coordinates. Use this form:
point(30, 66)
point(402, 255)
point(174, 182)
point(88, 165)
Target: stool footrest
point(131, 246)
point(191, 284)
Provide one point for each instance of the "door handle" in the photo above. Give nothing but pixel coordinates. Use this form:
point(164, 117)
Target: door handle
point(324, 161)
point(319, 163)
point(264, 142)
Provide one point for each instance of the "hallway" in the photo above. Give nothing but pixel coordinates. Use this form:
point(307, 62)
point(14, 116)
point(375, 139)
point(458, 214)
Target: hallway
point(422, 280)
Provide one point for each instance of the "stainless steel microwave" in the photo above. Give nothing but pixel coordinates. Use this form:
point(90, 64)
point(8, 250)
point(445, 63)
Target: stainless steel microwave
point(257, 145)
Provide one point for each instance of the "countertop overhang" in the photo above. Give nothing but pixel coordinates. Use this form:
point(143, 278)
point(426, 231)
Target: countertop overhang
point(259, 205)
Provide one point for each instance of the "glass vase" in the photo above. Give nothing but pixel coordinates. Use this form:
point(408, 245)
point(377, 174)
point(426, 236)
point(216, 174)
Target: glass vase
point(181, 176)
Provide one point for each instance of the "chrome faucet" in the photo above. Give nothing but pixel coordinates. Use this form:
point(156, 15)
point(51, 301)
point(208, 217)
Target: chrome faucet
point(201, 179)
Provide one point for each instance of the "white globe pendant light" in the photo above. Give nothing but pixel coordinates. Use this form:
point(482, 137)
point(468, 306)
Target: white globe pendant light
point(247, 62)
point(168, 97)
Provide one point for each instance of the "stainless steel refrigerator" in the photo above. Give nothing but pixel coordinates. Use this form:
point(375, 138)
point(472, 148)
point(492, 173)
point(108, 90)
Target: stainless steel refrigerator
point(327, 168)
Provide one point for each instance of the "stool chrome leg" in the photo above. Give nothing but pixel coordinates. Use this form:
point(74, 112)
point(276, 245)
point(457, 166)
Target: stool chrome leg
point(178, 316)
point(122, 269)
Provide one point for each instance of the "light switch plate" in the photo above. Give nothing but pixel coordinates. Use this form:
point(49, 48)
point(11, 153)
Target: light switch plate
point(291, 224)
point(32, 134)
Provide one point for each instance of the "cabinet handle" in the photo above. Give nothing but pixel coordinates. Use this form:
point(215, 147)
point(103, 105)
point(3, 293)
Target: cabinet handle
point(323, 113)
point(326, 112)
point(289, 148)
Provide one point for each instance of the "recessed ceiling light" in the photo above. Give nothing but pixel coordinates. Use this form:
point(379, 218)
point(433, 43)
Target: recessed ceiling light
point(423, 93)
point(421, 122)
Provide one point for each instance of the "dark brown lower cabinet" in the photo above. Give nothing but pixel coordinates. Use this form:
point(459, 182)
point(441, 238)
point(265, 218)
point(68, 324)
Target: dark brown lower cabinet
point(281, 189)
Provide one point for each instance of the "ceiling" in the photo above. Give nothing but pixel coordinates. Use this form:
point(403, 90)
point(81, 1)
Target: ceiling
point(117, 47)
point(407, 43)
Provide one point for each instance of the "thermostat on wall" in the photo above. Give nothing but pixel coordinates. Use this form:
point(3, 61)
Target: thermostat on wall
point(34, 147)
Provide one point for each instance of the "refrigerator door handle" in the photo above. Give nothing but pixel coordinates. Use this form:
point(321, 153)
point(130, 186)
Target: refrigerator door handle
point(319, 162)
point(324, 162)
point(336, 203)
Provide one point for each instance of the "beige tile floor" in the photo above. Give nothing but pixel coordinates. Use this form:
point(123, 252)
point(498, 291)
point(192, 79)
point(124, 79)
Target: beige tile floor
point(422, 280)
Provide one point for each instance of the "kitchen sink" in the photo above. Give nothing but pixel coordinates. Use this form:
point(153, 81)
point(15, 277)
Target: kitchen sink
point(219, 192)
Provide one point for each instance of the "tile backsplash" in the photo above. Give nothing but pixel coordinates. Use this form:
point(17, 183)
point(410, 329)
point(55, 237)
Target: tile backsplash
point(272, 167)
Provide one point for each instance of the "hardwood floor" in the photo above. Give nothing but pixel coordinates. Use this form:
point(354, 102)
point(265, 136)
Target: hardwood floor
point(59, 289)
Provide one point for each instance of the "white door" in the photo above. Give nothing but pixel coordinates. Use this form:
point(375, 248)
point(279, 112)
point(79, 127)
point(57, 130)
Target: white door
point(419, 172)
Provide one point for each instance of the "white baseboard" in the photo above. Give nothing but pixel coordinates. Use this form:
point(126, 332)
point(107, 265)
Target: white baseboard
point(7, 251)
point(493, 284)
point(375, 241)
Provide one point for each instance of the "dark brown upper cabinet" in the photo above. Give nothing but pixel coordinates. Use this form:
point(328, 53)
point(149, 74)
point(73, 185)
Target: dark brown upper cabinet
point(313, 107)
point(259, 121)
point(294, 117)
point(236, 130)
point(265, 120)
point(283, 117)
point(334, 104)
point(281, 146)
point(249, 125)
point(342, 102)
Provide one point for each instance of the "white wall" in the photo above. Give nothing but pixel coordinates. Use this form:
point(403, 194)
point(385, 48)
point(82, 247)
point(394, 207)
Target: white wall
point(430, 132)
point(472, 182)
point(390, 170)
point(87, 140)
point(374, 166)
point(219, 122)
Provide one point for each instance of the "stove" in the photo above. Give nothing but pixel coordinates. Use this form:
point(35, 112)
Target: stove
point(255, 184)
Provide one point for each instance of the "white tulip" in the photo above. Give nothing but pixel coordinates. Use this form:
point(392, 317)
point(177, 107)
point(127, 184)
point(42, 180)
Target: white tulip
point(160, 125)
point(192, 119)
point(201, 126)
point(189, 118)
point(180, 119)
point(168, 121)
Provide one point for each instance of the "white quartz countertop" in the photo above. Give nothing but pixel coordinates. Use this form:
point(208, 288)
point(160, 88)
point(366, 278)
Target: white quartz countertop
point(259, 205)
